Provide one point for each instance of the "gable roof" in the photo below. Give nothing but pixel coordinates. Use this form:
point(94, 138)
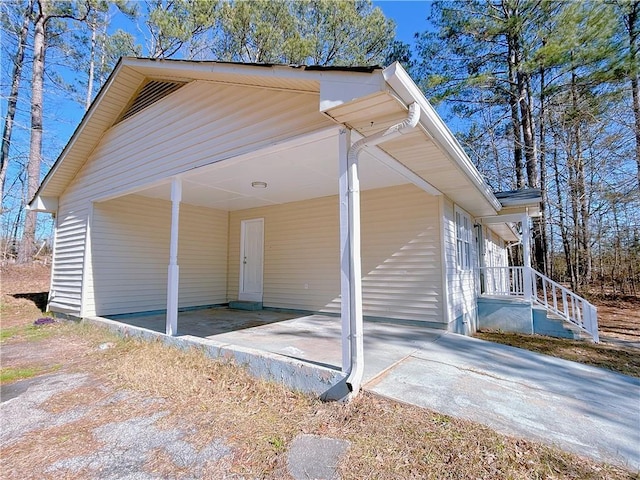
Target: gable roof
point(365, 98)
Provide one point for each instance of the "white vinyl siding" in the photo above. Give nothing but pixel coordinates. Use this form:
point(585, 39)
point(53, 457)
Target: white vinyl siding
point(464, 239)
point(130, 256)
point(401, 261)
point(201, 123)
point(461, 283)
point(66, 276)
point(198, 125)
point(300, 250)
point(400, 254)
point(495, 250)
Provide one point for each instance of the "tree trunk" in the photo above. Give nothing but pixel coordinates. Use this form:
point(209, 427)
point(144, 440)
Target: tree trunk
point(27, 246)
point(632, 18)
point(515, 119)
point(12, 101)
point(566, 246)
point(531, 156)
point(92, 64)
point(528, 137)
point(542, 254)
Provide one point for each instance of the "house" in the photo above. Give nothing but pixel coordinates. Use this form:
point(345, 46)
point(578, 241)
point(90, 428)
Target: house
point(324, 189)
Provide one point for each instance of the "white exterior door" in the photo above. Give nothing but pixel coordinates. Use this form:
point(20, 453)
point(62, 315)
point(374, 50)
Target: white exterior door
point(251, 259)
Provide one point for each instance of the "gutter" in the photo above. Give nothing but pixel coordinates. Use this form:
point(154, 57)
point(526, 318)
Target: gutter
point(401, 82)
point(355, 334)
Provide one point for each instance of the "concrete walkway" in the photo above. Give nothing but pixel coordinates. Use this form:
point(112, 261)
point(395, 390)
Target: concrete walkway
point(582, 409)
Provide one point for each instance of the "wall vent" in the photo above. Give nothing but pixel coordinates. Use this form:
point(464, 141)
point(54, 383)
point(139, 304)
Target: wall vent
point(150, 93)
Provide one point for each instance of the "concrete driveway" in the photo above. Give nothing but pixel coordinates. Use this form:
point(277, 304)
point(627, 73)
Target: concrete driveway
point(582, 409)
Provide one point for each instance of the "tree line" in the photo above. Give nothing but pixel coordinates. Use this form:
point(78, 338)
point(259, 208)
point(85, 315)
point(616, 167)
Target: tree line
point(549, 90)
point(541, 93)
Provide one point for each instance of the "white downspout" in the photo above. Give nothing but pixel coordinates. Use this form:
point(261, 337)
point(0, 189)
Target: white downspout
point(355, 334)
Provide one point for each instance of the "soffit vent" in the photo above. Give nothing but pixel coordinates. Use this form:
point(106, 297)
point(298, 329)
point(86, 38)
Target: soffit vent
point(150, 93)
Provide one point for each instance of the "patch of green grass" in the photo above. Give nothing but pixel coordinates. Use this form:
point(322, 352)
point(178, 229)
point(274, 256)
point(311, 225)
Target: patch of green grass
point(8, 375)
point(7, 333)
point(277, 443)
point(618, 359)
point(27, 332)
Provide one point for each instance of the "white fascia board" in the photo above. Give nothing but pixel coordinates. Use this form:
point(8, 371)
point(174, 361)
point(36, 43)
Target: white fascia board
point(496, 219)
point(510, 215)
point(43, 204)
point(78, 131)
point(336, 90)
point(208, 69)
point(401, 82)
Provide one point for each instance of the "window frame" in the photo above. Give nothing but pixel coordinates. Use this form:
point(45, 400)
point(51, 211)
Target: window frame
point(463, 239)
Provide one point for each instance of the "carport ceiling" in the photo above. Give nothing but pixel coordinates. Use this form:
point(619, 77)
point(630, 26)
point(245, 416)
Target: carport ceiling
point(295, 171)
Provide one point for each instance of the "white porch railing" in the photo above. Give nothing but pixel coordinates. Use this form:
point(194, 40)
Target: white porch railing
point(540, 289)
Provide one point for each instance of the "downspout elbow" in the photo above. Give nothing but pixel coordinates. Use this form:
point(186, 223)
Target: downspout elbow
point(394, 131)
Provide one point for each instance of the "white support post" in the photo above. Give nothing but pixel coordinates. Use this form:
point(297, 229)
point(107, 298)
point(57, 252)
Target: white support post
point(526, 257)
point(174, 270)
point(344, 142)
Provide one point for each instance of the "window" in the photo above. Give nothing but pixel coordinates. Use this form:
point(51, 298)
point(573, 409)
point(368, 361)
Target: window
point(463, 240)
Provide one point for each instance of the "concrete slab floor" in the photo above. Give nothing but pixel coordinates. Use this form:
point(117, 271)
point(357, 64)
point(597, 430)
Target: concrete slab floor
point(312, 338)
point(205, 322)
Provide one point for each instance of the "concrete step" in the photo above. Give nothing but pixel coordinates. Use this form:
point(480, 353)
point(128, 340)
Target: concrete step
point(245, 305)
point(546, 323)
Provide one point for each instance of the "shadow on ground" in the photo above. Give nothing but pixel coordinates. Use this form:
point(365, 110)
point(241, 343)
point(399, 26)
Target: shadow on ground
point(39, 299)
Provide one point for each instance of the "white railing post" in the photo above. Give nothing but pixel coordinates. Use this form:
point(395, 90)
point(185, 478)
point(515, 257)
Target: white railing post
point(593, 313)
point(527, 276)
point(589, 316)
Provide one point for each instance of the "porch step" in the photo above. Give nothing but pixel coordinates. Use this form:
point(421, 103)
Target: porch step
point(245, 305)
point(546, 323)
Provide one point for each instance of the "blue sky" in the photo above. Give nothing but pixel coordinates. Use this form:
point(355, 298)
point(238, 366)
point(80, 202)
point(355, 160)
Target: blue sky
point(409, 15)
point(63, 115)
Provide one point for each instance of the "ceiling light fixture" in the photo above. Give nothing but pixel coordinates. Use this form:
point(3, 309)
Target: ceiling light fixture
point(259, 184)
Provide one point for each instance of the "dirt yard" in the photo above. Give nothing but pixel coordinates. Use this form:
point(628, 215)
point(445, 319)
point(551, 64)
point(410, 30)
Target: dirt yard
point(619, 319)
point(96, 406)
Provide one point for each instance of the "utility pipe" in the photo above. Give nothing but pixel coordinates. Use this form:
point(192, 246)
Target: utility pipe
point(355, 333)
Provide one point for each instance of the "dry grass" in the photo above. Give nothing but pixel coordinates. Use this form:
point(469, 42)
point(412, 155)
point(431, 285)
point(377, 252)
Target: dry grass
point(625, 360)
point(258, 420)
point(389, 440)
point(618, 317)
point(24, 290)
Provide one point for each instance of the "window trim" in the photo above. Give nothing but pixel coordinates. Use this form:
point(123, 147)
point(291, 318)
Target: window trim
point(463, 239)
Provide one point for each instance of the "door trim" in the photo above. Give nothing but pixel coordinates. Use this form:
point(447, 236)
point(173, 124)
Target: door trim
point(251, 296)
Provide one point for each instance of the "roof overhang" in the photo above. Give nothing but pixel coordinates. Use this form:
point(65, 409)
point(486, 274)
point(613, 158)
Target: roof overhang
point(517, 206)
point(365, 99)
point(333, 84)
point(431, 151)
